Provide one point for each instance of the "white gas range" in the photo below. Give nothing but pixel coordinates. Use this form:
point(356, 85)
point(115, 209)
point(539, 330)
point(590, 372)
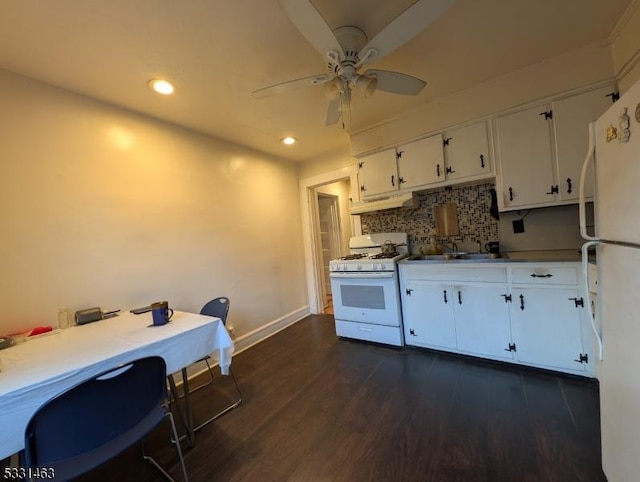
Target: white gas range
point(365, 289)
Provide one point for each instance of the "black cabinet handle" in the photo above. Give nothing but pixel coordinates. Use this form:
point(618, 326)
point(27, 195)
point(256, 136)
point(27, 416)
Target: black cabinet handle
point(548, 275)
point(554, 190)
point(569, 189)
point(401, 180)
point(522, 302)
point(482, 161)
point(362, 188)
point(393, 181)
point(438, 169)
point(510, 194)
point(459, 298)
point(445, 296)
point(450, 170)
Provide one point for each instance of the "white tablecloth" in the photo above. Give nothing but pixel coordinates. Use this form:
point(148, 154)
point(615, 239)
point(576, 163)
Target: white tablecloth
point(37, 370)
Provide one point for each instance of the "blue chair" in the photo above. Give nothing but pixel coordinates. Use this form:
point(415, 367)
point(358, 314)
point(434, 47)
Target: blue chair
point(97, 419)
point(218, 307)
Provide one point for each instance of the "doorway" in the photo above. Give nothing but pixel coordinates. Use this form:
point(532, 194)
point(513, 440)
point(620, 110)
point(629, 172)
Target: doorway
point(329, 228)
point(346, 180)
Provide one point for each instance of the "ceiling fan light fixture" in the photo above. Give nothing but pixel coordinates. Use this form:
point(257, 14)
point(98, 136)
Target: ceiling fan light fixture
point(161, 86)
point(332, 90)
point(367, 85)
point(289, 140)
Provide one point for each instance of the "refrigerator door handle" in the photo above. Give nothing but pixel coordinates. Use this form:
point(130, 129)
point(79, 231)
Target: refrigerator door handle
point(583, 176)
point(587, 295)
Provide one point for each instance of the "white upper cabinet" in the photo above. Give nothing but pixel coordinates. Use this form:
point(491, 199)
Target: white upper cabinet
point(378, 174)
point(421, 162)
point(540, 151)
point(411, 166)
point(523, 148)
point(466, 153)
point(570, 119)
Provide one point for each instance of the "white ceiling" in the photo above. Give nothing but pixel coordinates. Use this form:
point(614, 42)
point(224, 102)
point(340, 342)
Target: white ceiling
point(218, 51)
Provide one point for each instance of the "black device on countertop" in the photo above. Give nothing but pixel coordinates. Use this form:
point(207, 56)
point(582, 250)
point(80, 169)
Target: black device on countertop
point(143, 309)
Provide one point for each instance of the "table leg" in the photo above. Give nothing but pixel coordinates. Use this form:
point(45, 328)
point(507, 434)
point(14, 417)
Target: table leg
point(182, 414)
point(187, 404)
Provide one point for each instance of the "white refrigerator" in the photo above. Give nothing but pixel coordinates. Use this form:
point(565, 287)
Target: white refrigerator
point(615, 143)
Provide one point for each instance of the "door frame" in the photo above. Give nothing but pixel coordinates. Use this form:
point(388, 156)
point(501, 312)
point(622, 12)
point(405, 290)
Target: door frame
point(310, 227)
point(335, 205)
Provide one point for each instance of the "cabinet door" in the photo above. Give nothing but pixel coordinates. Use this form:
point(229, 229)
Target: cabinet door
point(378, 173)
point(571, 119)
point(525, 156)
point(546, 327)
point(467, 152)
point(482, 320)
point(421, 162)
point(428, 315)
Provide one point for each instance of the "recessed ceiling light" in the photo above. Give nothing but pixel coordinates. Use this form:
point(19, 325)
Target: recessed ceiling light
point(289, 140)
point(161, 86)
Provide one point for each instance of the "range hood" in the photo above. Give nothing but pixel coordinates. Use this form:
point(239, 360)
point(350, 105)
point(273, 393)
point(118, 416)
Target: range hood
point(400, 201)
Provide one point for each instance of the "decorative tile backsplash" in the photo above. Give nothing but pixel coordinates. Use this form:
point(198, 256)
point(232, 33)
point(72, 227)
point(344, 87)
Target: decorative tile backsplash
point(475, 222)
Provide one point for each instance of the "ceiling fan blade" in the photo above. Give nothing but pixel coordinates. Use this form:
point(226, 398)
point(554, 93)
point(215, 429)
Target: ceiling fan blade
point(396, 82)
point(333, 112)
point(308, 20)
point(291, 85)
point(405, 26)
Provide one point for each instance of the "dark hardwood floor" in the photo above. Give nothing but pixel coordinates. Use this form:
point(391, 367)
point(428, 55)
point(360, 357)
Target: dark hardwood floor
point(317, 408)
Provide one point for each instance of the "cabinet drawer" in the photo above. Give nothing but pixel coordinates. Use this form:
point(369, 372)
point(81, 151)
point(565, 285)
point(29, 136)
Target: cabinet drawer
point(544, 275)
point(455, 273)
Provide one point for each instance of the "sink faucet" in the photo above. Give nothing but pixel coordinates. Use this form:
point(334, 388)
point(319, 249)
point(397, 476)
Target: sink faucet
point(452, 249)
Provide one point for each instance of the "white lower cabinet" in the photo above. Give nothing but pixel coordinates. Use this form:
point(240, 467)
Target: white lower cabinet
point(454, 318)
point(547, 327)
point(428, 315)
point(531, 314)
point(482, 320)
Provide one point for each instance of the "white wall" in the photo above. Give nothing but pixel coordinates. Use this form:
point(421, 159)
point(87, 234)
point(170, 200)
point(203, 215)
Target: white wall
point(104, 207)
point(626, 47)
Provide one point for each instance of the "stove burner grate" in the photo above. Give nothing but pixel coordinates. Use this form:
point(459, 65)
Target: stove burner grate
point(353, 256)
point(385, 255)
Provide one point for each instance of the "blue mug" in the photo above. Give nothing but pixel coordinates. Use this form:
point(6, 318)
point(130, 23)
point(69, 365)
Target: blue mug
point(161, 313)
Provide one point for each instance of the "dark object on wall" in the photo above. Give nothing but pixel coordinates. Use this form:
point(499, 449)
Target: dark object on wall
point(518, 226)
point(494, 204)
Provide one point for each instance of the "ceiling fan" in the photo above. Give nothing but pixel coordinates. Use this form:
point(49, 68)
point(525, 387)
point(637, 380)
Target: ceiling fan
point(346, 49)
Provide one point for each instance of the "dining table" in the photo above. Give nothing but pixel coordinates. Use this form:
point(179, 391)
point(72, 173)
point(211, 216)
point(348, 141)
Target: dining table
point(38, 368)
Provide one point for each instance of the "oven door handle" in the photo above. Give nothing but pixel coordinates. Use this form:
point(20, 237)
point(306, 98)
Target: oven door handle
point(361, 275)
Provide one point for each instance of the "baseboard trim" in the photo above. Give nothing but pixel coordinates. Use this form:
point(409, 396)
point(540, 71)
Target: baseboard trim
point(256, 336)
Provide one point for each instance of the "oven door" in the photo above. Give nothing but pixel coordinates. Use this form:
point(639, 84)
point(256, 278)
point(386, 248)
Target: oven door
point(366, 297)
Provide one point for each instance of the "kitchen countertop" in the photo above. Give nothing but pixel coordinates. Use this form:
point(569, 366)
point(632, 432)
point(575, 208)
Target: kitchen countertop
point(545, 255)
point(561, 255)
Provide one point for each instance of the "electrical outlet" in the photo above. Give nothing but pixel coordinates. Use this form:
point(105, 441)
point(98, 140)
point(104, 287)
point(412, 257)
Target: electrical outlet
point(518, 226)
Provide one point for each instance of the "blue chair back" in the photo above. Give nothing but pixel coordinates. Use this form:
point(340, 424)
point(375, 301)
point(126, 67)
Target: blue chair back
point(218, 307)
point(97, 419)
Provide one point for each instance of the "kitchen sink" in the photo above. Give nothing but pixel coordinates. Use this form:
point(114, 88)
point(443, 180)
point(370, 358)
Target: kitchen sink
point(456, 257)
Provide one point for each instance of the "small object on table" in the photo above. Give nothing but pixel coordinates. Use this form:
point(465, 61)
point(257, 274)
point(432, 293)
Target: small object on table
point(39, 330)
